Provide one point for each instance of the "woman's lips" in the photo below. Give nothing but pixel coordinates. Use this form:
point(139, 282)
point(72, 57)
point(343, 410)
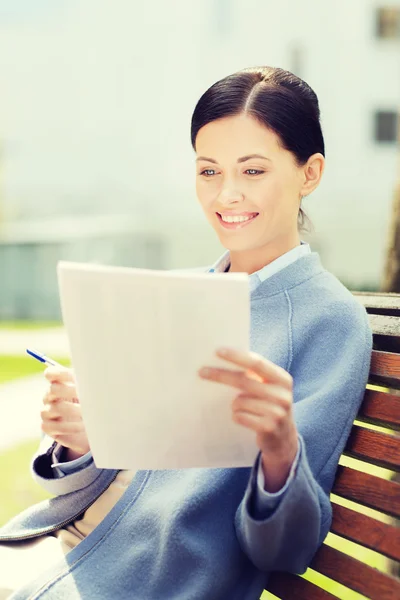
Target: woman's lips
point(239, 225)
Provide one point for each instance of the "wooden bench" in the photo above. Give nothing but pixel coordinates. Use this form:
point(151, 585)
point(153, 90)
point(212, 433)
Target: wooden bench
point(381, 448)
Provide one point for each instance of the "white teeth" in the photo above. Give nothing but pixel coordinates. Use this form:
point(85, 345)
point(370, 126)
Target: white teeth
point(236, 219)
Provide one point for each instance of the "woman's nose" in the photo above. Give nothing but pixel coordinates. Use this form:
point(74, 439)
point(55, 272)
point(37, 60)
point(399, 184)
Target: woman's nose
point(231, 195)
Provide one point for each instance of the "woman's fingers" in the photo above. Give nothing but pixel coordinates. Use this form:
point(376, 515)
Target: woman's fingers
point(56, 428)
point(63, 418)
point(258, 407)
point(265, 369)
point(62, 385)
point(247, 420)
point(63, 422)
point(269, 422)
point(59, 374)
point(61, 410)
point(265, 402)
point(61, 414)
point(251, 387)
point(60, 391)
point(269, 415)
point(76, 441)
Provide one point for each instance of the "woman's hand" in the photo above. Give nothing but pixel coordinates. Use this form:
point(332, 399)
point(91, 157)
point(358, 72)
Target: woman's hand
point(61, 415)
point(264, 405)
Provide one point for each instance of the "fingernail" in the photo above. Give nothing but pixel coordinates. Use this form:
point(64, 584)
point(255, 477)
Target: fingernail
point(223, 351)
point(205, 372)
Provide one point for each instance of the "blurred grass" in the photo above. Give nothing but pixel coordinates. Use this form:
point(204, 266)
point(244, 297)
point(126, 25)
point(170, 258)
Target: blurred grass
point(18, 490)
point(14, 367)
point(13, 325)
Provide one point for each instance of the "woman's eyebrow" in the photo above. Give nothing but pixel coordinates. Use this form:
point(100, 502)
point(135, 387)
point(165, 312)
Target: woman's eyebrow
point(211, 160)
point(244, 158)
point(239, 160)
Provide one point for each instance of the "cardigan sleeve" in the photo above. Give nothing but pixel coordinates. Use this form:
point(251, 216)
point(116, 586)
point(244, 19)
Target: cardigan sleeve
point(330, 369)
point(44, 472)
point(267, 501)
point(62, 468)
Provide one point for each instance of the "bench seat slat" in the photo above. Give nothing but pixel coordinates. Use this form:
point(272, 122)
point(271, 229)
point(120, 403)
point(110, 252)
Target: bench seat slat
point(368, 490)
point(389, 301)
point(355, 574)
point(283, 584)
point(375, 447)
point(381, 409)
point(365, 530)
point(386, 325)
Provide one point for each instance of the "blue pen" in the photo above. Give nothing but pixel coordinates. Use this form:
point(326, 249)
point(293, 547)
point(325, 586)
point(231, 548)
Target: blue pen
point(43, 358)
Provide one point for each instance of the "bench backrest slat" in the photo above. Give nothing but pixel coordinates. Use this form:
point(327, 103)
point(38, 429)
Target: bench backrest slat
point(368, 490)
point(365, 530)
point(381, 409)
point(283, 584)
point(375, 447)
point(385, 368)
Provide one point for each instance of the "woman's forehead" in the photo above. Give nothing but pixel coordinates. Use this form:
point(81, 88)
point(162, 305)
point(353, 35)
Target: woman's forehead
point(236, 136)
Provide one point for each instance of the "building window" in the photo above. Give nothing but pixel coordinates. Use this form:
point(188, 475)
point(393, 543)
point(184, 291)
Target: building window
point(386, 126)
point(388, 22)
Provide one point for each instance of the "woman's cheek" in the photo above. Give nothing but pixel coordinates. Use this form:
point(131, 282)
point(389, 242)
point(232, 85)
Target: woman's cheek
point(270, 195)
point(207, 192)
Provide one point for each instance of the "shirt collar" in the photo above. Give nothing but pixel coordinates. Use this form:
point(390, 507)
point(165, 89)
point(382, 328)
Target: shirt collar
point(273, 267)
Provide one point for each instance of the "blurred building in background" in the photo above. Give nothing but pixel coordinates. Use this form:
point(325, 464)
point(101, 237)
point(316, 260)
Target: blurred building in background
point(96, 162)
point(29, 254)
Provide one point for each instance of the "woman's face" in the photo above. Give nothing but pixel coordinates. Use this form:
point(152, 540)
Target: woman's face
point(244, 173)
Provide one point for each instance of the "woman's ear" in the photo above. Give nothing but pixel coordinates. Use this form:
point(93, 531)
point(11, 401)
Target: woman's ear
point(312, 173)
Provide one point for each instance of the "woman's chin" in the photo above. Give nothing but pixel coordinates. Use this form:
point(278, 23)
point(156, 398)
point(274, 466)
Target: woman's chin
point(236, 244)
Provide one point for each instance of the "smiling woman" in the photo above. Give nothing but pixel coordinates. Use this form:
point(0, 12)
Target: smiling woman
point(260, 151)
point(209, 534)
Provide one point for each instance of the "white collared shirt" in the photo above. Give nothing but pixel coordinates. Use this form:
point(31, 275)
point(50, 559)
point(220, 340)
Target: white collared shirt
point(273, 267)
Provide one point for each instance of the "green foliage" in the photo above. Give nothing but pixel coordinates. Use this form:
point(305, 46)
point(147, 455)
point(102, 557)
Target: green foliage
point(14, 367)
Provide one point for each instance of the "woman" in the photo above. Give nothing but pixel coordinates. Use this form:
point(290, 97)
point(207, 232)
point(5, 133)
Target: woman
point(218, 533)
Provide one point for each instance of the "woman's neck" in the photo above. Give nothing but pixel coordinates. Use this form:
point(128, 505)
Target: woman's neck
point(254, 260)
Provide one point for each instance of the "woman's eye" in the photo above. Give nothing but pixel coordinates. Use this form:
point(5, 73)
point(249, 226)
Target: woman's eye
point(254, 171)
point(207, 172)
